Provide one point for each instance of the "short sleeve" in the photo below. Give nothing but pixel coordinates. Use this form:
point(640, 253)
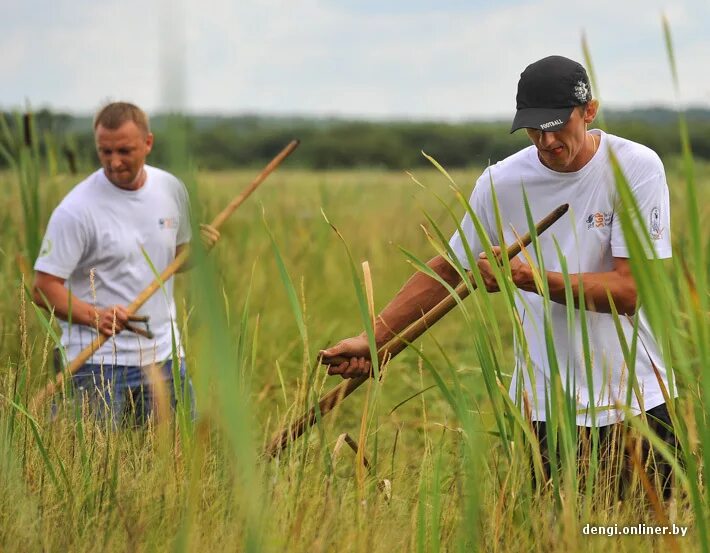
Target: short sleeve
point(652, 197)
point(184, 232)
point(480, 206)
point(63, 246)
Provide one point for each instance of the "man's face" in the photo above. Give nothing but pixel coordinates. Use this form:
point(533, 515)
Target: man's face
point(570, 148)
point(122, 153)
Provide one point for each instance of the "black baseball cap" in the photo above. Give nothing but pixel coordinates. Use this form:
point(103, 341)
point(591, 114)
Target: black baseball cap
point(548, 91)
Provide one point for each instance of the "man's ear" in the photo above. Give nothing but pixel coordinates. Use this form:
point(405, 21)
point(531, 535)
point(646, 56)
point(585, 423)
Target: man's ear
point(149, 142)
point(590, 111)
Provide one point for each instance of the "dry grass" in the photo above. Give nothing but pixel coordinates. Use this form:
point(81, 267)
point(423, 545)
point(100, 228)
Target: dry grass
point(72, 485)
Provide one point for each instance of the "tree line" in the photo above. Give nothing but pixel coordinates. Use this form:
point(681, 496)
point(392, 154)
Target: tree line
point(221, 142)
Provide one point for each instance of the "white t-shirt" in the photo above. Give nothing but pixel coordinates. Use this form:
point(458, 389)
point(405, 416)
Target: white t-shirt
point(589, 236)
point(101, 228)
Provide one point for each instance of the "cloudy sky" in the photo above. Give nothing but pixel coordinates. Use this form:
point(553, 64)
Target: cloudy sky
point(451, 59)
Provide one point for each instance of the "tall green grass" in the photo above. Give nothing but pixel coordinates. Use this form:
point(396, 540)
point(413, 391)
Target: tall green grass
point(448, 451)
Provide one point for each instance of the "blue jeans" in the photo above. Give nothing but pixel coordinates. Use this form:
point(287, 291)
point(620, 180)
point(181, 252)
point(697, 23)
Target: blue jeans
point(125, 395)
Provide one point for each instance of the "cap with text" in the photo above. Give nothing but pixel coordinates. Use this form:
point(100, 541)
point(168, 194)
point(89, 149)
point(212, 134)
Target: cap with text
point(548, 91)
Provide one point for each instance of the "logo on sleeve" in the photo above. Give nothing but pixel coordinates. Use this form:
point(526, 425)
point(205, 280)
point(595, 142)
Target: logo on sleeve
point(599, 219)
point(46, 248)
point(654, 224)
point(166, 223)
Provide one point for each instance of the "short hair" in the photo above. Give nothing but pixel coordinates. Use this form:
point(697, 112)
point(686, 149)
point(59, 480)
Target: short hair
point(115, 114)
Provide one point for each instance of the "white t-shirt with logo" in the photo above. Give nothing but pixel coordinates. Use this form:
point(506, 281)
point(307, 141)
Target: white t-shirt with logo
point(102, 229)
point(589, 236)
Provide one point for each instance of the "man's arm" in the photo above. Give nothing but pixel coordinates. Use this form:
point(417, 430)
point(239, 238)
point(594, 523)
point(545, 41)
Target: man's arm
point(418, 295)
point(48, 291)
point(617, 283)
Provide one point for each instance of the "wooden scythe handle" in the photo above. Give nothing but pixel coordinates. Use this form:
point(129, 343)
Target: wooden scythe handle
point(398, 343)
point(168, 272)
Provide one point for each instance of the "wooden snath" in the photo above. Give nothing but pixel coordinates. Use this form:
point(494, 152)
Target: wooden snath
point(398, 343)
point(168, 272)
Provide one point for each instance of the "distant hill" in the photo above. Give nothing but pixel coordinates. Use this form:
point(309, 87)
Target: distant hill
point(658, 115)
point(247, 122)
point(228, 141)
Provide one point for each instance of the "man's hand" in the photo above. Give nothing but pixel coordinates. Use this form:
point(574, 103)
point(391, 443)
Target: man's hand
point(112, 320)
point(209, 236)
point(357, 349)
point(418, 295)
point(521, 272)
point(49, 292)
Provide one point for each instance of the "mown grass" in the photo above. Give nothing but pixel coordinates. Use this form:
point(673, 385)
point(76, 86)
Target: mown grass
point(451, 483)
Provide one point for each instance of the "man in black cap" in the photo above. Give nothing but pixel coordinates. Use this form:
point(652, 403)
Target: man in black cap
point(567, 163)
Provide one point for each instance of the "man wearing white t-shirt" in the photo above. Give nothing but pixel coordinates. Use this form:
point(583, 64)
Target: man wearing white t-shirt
point(565, 164)
point(92, 264)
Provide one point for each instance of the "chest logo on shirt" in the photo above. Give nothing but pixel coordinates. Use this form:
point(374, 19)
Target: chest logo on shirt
point(599, 219)
point(166, 223)
point(654, 224)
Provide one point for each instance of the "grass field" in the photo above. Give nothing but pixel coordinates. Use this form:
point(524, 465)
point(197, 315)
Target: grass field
point(441, 477)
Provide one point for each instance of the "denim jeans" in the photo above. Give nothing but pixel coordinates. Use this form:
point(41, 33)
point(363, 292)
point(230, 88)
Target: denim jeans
point(125, 395)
